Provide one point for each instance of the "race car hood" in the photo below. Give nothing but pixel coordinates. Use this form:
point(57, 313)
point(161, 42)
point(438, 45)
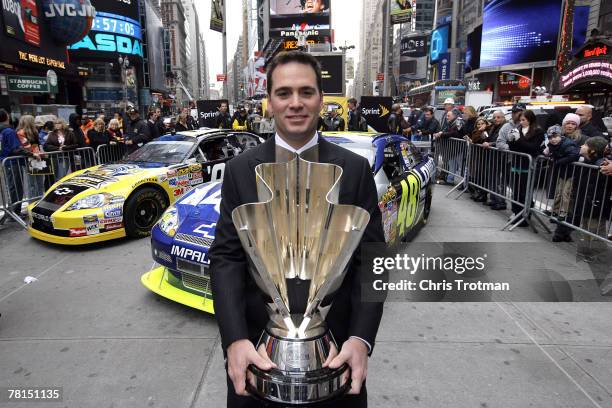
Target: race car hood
point(198, 210)
point(114, 179)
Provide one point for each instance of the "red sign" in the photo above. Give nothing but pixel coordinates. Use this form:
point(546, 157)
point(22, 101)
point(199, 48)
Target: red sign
point(524, 83)
point(221, 77)
point(595, 51)
point(380, 76)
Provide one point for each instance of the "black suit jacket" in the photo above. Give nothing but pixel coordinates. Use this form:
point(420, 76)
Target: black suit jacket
point(239, 303)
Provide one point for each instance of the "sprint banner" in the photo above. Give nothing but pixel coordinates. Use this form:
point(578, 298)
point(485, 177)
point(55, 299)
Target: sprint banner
point(376, 110)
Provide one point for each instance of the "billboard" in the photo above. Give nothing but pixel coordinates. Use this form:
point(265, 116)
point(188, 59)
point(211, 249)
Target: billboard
point(256, 75)
point(298, 7)
point(115, 31)
point(332, 71)
point(519, 31)
point(413, 59)
point(376, 110)
point(581, 22)
point(472, 54)
point(402, 11)
point(216, 15)
point(414, 46)
point(155, 48)
point(21, 20)
point(207, 111)
point(438, 45)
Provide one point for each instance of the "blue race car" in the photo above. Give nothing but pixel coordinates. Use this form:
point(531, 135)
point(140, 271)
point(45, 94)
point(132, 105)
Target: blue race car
point(181, 239)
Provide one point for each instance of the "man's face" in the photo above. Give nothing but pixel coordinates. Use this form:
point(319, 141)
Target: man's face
point(428, 115)
point(448, 107)
point(450, 115)
point(295, 101)
point(498, 118)
point(223, 108)
point(351, 106)
point(585, 114)
point(516, 116)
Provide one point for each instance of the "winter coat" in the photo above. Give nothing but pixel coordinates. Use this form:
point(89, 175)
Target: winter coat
point(453, 129)
point(153, 129)
point(356, 122)
point(53, 144)
point(590, 130)
point(494, 133)
point(223, 121)
point(591, 192)
point(577, 137)
point(502, 139)
point(9, 143)
point(533, 146)
point(563, 155)
point(138, 132)
point(76, 129)
point(98, 138)
point(179, 127)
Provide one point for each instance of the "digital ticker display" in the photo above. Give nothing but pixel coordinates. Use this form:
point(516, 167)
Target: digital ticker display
point(116, 24)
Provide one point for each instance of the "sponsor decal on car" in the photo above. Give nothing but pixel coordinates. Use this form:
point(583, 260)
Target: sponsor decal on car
point(92, 224)
point(41, 217)
point(107, 221)
point(189, 254)
point(77, 232)
point(114, 226)
point(113, 212)
point(178, 192)
point(162, 178)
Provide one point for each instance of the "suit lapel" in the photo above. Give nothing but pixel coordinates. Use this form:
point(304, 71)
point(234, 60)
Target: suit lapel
point(327, 153)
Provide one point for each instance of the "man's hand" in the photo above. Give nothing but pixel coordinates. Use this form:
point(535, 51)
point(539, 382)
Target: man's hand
point(606, 167)
point(129, 142)
point(240, 354)
point(486, 145)
point(355, 353)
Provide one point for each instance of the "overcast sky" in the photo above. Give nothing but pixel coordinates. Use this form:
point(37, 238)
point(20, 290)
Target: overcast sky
point(345, 22)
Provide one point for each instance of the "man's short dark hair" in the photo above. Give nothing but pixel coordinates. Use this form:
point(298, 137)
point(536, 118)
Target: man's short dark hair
point(4, 116)
point(428, 109)
point(353, 101)
point(49, 125)
point(300, 57)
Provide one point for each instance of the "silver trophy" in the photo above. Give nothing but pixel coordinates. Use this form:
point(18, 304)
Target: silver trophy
point(299, 241)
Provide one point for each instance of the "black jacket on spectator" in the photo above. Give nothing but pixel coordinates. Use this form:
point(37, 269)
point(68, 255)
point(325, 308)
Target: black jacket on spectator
point(356, 122)
point(453, 129)
point(153, 129)
point(191, 123)
point(138, 132)
point(590, 194)
point(223, 121)
point(590, 130)
point(563, 155)
point(493, 133)
point(414, 117)
point(427, 127)
point(98, 138)
point(333, 124)
point(53, 144)
point(159, 124)
point(179, 127)
point(396, 123)
point(533, 146)
point(468, 127)
point(76, 129)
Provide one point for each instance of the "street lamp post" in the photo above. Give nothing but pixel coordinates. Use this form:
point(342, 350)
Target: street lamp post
point(124, 63)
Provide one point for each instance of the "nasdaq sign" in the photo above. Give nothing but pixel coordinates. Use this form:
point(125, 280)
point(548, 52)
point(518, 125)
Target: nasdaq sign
point(103, 42)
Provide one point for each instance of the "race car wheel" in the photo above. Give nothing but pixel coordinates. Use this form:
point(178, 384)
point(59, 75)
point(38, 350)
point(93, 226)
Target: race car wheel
point(142, 211)
point(427, 207)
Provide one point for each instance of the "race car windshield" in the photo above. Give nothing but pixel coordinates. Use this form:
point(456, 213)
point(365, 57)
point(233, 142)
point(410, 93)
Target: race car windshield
point(167, 152)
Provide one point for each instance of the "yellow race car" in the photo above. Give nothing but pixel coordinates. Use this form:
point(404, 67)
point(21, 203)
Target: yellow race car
point(127, 198)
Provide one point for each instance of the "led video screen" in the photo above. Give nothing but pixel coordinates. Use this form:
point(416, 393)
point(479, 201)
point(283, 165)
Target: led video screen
point(298, 7)
point(439, 43)
point(472, 54)
point(519, 31)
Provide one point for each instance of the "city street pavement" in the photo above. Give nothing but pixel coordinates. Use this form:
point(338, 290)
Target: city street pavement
point(88, 325)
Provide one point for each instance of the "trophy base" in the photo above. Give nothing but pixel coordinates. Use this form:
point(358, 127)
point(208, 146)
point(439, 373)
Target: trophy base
point(300, 378)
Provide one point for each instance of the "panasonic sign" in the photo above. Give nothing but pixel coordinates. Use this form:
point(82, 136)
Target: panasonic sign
point(307, 33)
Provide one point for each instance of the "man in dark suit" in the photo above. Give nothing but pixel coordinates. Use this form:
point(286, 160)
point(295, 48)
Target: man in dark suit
point(295, 99)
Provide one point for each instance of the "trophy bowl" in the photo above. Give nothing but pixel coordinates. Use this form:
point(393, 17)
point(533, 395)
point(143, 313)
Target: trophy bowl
point(299, 241)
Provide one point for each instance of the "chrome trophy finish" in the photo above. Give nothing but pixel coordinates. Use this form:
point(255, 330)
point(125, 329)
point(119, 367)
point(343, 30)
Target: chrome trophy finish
point(298, 236)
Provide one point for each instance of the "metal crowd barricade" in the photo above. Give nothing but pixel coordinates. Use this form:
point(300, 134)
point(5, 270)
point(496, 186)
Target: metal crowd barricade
point(23, 179)
point(577, 196)
point(111, 153)
point(451, 156)
point(506, 176)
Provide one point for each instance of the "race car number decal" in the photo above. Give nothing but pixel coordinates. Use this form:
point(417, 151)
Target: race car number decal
point(409, 202)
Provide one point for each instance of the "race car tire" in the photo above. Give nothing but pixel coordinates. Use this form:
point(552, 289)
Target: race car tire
point(427, 207)
point(142, 210)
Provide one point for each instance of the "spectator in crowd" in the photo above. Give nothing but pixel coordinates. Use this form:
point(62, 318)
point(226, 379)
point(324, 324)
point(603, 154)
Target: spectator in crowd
point(28, 137)
point(240, 119)
point(453, 130)
point(254, 119)
point(152, 123)
point(114, 131)
point(63, 139)
point(396, 122)
point(469, 121)
point(479, 135)
point(449, 105)
point(590, 199)
point(74, 121)
point(191, 123)
point(571, 130)
point(86, 126)
point(426, 126)
point(356, 122)
point(504, 133)
point(587, 128)
point(563, 151)
point(138, 133)
point(333, 122)
point(98, 135)
point(181, 123)
point(223, 119)
point(415, 115)
point(498, 167)
point(529, 139)
point(159, 122)
point(10, 146)
point(44, 132)
point(117, 116)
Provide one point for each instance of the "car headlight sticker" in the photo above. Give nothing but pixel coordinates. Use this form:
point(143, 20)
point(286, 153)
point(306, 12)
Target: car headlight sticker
point(91, 201)
point(168, 222)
